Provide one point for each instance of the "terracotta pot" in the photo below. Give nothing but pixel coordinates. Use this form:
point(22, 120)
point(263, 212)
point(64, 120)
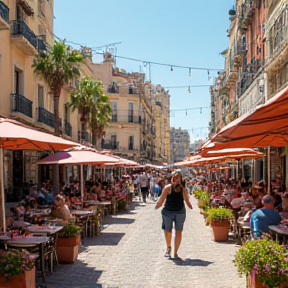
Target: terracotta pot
point(254, 282)
point(67, 242)
point(67, 249)
point(25, 280)
point(220, 230)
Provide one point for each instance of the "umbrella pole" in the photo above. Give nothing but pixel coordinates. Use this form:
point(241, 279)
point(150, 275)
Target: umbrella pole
point(82, 184)
point(3, 224)
point(268, 170)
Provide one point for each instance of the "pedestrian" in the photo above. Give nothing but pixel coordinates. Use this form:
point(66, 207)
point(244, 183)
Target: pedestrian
point(174, 211)
point(144, 185)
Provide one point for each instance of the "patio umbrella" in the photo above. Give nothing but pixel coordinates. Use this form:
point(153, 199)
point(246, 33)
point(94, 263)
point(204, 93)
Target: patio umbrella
point(230, 151)
point(78, 156)
point(17, 136)
point(266, 126)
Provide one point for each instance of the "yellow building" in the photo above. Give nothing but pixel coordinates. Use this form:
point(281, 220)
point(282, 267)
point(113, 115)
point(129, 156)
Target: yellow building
point(160, 103)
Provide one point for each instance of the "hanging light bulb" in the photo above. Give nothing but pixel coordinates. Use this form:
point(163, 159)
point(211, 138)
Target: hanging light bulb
point(189, 71)
point(171, 68)
point(186, 112)
point(189, 90)
point(201, 110)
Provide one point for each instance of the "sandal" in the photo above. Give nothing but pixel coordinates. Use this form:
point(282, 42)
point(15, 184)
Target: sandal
point(168, 252)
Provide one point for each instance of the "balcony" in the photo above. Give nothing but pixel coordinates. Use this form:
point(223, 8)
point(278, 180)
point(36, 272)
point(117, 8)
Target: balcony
point(113, 89)
point(67, 129)
point(4, 17)
point(110, 145)
point(136, 119)
point(42, 45)
point(46, 117)
point(247, 13)
point(22, 105)
point(24, 37)
point(85, 136)
point(231, 78)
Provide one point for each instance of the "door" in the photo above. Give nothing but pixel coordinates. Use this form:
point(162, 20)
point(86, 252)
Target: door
point(130, 112)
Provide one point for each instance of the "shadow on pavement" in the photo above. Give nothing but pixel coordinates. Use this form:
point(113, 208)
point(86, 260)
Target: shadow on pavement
point(115, 220)
point(74, 272)
point(191, 262)
point(105, 238)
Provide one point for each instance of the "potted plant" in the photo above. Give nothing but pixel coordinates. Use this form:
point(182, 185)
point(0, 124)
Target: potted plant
point(219, 220)
point(264, 262)
point(67, 244)
point(17, 269)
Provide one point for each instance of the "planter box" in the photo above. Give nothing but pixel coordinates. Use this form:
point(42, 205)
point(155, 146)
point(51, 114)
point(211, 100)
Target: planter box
point(67, 249)
point(220, 230)
point(68, 242)
point(254, 282)
point(27, 280)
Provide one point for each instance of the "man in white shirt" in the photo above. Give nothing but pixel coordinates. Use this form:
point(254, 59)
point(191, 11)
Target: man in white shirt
point(144, 185)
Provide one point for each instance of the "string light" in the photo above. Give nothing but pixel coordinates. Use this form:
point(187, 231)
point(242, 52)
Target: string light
point(171, 68)
point(189, 71)
point(189, 90)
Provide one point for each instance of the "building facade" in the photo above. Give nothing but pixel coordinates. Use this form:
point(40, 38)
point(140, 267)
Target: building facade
point(255, 68)
point(179, 143)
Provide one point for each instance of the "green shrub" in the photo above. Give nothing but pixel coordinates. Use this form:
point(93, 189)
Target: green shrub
point(70, 230)
point(266, 258)
point(220, 214)
point(121, 204)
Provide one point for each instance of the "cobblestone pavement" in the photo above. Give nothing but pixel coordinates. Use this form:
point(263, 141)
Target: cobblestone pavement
point(130, 253)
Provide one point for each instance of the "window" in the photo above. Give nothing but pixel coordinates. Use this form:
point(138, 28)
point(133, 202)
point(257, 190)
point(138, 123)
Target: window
point(40, 96)
point(113, 142)
point(18, 81)
point(131, 142)
point(130, 112)
point(114, 111)
point(66, 113)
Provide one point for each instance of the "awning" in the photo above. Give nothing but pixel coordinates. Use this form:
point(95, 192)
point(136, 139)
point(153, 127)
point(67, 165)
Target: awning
point(267, 125)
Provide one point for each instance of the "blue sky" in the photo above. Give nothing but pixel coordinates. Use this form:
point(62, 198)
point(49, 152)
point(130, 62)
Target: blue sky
point(188, 33)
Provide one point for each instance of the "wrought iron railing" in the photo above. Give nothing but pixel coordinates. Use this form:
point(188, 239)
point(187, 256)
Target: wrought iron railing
point(46, 117)
point(19, 27)
point(4, 12)
point(42, 45)
point(126, 118)
point(68, 129)
point(21, 104)
point(86, 136)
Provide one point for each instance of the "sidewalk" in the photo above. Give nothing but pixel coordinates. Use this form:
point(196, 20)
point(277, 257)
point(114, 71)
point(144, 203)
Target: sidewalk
point(130, 253)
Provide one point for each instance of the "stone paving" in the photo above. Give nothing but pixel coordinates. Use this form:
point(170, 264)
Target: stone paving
point(130, 253)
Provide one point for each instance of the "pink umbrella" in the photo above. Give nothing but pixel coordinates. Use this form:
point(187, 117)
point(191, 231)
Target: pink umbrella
point(79, 155)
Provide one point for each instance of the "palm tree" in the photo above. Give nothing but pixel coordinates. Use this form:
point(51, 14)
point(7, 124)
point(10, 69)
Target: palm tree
point(90, 100)
point(100, 117)
point(58, 67)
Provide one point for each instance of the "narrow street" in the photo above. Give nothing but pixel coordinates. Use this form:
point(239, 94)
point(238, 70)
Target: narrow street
point(130, 253)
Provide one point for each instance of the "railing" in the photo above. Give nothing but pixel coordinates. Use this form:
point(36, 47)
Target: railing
point(110, 145)
point(126, 118)
point(67, 129)
point(42, 45)
point(21, 104)
point(247, 9)
point(4, 12)
point(113, 89)
point(46, 117)
point(86, 136)
point(19, 27)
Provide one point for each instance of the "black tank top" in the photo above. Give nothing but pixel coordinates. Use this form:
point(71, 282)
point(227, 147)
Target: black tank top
point(174, 200)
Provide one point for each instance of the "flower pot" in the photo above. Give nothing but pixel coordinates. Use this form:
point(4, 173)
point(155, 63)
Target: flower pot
point(254, 282)
point(220, 229)
point(25, 280)
point(67, 249)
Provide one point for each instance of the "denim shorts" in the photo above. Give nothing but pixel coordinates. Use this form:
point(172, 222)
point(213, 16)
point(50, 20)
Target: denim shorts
point(178, 217)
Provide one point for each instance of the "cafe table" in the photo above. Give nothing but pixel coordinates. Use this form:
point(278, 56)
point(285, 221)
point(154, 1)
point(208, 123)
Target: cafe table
point(243, 232)
point(25, 242)
point(280, 230)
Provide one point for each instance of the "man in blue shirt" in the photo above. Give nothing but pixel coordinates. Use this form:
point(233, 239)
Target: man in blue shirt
point(262, 218)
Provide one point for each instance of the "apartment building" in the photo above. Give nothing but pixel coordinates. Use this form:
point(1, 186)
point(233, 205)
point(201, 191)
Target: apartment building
point(180, 144)
point(255, 68)
point(160, 103)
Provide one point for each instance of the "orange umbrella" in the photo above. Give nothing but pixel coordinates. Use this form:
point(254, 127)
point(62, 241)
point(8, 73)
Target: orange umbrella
point(14, 136)
point(266, 125)
point(17, 136)
point(231, 151)
point(79, 155)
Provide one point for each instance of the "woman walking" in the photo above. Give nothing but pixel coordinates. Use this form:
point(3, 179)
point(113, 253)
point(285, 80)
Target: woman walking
point(173, 195)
